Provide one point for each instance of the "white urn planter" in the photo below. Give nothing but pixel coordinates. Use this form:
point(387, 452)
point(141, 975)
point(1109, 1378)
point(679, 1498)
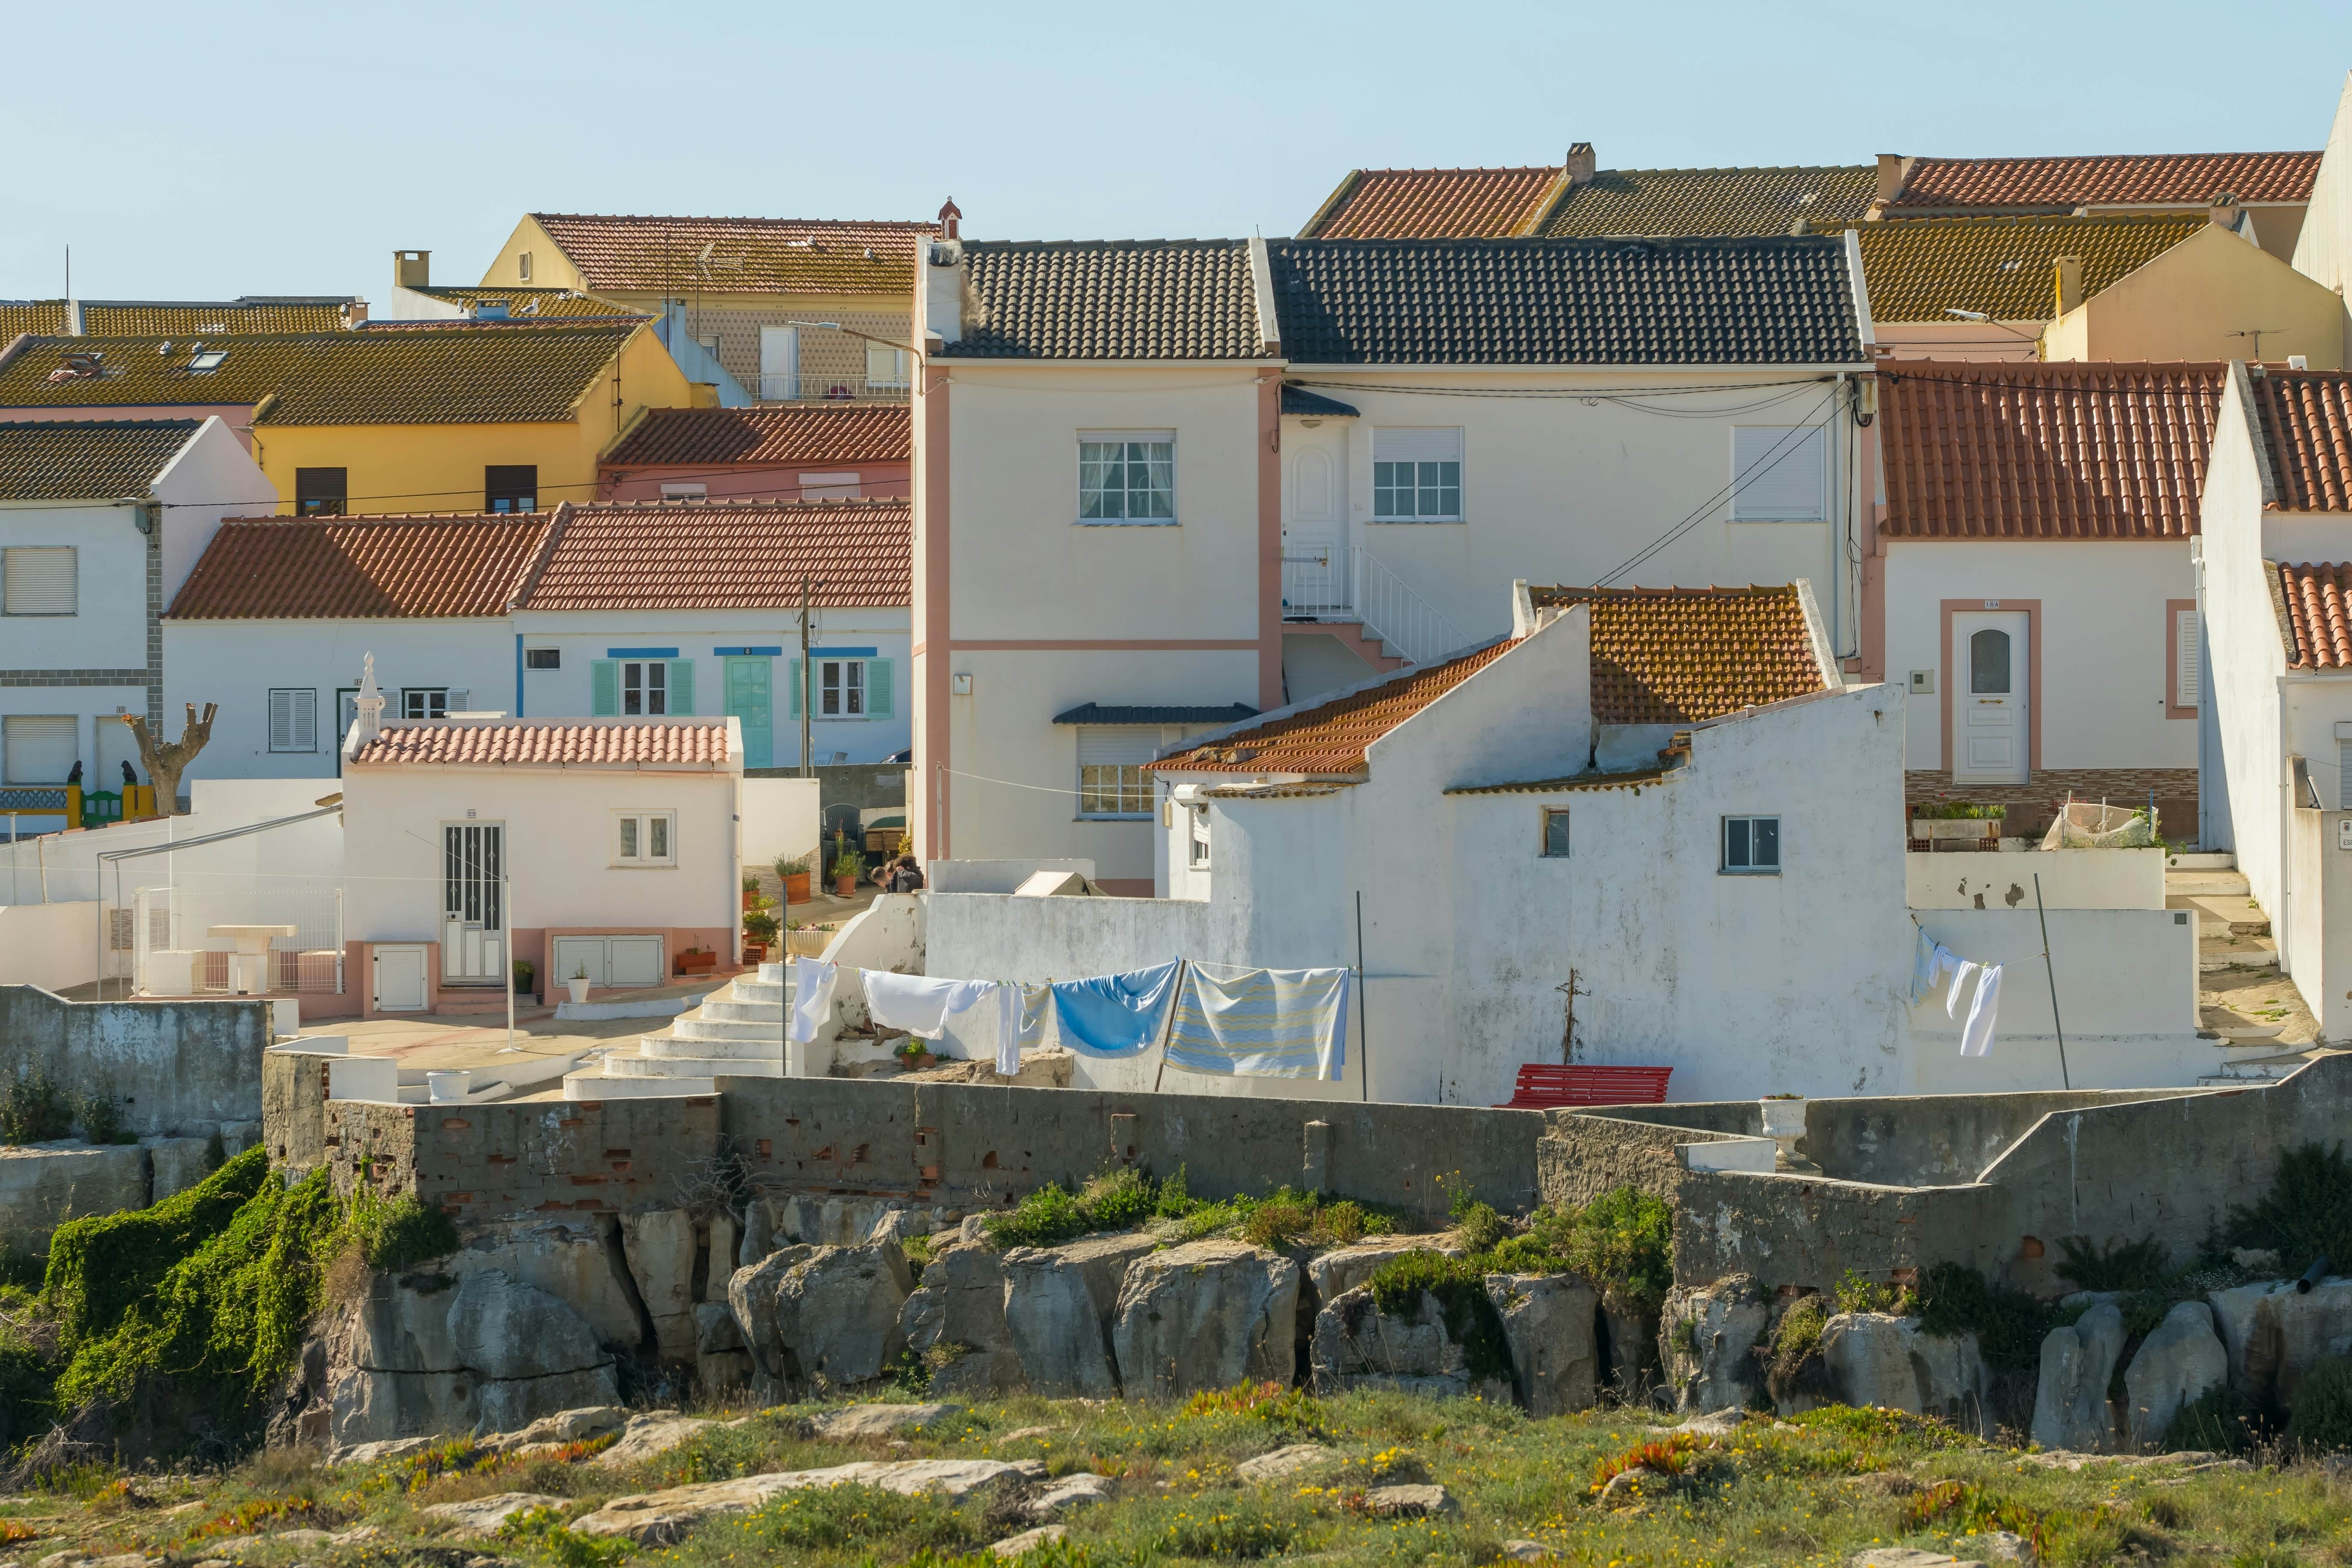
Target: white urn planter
point(578, 986)
point(1784, 1124)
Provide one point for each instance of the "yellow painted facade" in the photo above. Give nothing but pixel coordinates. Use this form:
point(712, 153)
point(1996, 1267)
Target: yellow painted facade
point(441, 468)
point(2202, 300)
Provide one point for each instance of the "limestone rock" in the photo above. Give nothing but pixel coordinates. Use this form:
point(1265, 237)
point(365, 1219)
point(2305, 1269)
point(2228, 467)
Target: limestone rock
point(1340, 1270)
point(1408, 1502)
point(2234, 1320)
point(1526, 1551)
point(2177, 1365)
point(650, 1434)
point(1283, 1463)
point(1717, 1423)
point(1705, 1339)
point(725, 1239)
point(2293, 1333)
point(1055, 1334)
point(502, 1328)
point(483, 1515)
point(959, 1302)
point(42, 1186)
point(1632, 1343)
point(1547, 1324)
point(2070, 1401)
point(1081, 1489)
point(752, 1297)
point(1998, 1546)
point(860, 1423)
point(660, 1249)
point(563, 1426)
point(570, 1258)
point(1357, 1345)
point(1877, 1358)
point(654, 1519)
point(379, 1451)
point(897, 1224)
point(1029, 1540)
point(715, 1329)
point(1908, 1557)
point(1205, 1315)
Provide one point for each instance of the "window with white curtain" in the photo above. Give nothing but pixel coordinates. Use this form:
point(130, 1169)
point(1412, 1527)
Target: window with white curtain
point(1127, 476)
point(645, 839)
point(39, 748)
point(1780, 473)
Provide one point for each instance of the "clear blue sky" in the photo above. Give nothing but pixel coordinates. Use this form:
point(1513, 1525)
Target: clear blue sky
point(200, 152)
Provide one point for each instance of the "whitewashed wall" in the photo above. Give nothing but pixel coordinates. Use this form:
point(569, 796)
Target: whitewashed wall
point(52, 946)
point(2244, 650)
point(2070, 879)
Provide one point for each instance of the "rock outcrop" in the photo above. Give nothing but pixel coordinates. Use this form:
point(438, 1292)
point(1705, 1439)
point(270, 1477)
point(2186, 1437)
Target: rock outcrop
point(1547, 1324)
point(2070, 1401)
point(1205, 1315)
point(1357, 1345)
point(1340, 1270)
point(660, 1249)
point(2177, 1365)
point(1877, 1358)
point(824, 1318)
point(2292, 1332)
point(960, 1303)
point(653, 1519)
point(1058, 1307)
point(576, 1258)
point(1706, 1342)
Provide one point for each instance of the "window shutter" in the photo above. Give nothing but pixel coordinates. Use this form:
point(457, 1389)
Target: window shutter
point(2188, 638)
point(40, 582)
point(41, 749)
point(1779, 474)
point(281, 720)
point(681, 686)
point(877, 688)
point(1441, 445)
point(306, 720)
point(796, 688)
point(604, 687)
point(1117, 745)
point(458, 700)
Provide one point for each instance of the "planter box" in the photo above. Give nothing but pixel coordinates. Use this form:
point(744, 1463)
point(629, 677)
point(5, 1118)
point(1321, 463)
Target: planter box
point(1966, 827)
point(698, 962)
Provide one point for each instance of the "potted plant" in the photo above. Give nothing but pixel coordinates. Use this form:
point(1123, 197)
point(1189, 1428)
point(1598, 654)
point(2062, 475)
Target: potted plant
point(578, 986)
point(914, 1054)
point(696, 961)
point(759, 931)
point(750, 892)
point(845, 871)
point(523, 976)
point(792, 870)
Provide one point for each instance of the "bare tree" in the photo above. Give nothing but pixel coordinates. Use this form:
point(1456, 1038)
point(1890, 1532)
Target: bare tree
point(167, 760)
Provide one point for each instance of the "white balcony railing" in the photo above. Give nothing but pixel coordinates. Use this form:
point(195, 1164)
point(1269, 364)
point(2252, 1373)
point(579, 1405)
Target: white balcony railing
point(794, 387)
point(1325, 583)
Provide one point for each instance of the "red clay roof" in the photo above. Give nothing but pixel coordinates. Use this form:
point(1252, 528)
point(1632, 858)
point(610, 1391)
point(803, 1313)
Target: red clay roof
point(1681, 655)
point(2053, 450)
point(1435, 203)
point(744, 255)
point(1331, 738)
point(2308, 426)
point(2313, 616)
point(2108, 180)
point(726, 555)
point(819, 433)
point(362, 567)
point(557, 743)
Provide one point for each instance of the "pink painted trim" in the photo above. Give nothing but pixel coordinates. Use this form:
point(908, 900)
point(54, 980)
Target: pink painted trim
point(1269, 542)
point(934, 628)
point(2032, 608)
point(2172, 708)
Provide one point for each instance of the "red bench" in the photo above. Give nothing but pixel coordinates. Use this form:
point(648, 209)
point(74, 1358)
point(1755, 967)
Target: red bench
point(1543, 1088)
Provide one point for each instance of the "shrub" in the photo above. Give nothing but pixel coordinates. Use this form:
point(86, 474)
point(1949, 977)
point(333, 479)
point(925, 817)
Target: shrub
point(33, 1110)
point(2122, 1266)
point(2009, 1324)
point(400, 1233)
point(2220, 1421)
point(1623, 1241)
point(1796, 1342)
point(102, 1267)
point(1669, 1456)
point(1119, 1199)
point(2320, 1419)
point(2307, 1211)
point(1857, 1294)
point(102, 1119)
point(1458, 1285)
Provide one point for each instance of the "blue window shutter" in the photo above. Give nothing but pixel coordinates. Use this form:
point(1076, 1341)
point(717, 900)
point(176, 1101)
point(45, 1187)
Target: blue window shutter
point(681, 686)
point(604, 687)
point(796, 688)
point(877, 688)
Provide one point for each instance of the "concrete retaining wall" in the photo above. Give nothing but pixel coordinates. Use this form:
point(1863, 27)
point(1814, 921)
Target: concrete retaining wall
point(176, 1067)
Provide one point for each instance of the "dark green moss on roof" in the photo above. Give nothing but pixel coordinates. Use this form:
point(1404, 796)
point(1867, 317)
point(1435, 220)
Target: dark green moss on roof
point(1669, 203)
point(87, 460)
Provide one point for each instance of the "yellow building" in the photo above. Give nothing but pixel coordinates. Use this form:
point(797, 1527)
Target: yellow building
point(2215, 296)
point(790, 309)
point(480, 416)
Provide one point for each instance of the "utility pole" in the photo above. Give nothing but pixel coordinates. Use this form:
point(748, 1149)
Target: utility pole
point(808, 758)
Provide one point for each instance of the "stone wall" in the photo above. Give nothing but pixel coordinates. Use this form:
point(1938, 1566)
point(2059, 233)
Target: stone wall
point(1936, 1140)
point(175, 1068)
point(1808, 1230)
point(1583, 1154)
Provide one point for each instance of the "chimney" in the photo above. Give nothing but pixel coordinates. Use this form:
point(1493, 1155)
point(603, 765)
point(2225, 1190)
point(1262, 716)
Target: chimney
point(951, 220)
point(2069, 282)
point(73, 319)
point(367, 710)
point(940, 303)
point(1893, 168)
point(2223, 212)
point(412, 268)
point(354, 313)
point(1581, 161)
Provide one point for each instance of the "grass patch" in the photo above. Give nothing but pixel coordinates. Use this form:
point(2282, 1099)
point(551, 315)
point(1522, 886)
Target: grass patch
point(1125, 1199)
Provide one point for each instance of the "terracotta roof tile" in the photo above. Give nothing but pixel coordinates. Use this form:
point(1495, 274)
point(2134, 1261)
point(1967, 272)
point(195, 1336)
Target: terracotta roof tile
point(1110, 300)
point(2318, 622)
point(726, 555)
point(746, 255)
point(553, 742)
point(810, 432)
point(2307, 425)
point(2050, 450)
point(1435, 203)
point(87, 460)
point(444, 373)
point(362, 567)
point(525, 303)
point(2106, 180)
point(1331, 738)
point(1676, 656)
point(141, 318)
point(1922, 268)
point(1664, 202)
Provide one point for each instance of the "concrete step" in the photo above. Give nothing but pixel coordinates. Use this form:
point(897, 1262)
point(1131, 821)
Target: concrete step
point(2206, 885)
point(707, 1028)
point(644, 1067)
point(777, 992)
point(2223, 913)
point(2240, 954)
point(673, 1047)
point(585, 1086)
point(2201, 860)
point(734, 1012)
point(773, 974)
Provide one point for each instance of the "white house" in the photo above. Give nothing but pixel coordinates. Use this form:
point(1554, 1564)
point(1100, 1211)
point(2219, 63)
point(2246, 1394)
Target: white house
point(101, 522)
point(1164, 479)
point(622, 610)
point(2275, 573)
point(2029, 580)
point(607, 847)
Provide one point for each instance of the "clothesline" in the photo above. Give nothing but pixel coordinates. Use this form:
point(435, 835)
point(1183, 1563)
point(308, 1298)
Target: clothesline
point(1931, 962)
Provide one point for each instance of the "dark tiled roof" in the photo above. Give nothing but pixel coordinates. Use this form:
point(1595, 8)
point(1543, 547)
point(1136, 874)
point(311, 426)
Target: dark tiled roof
point(1110, 299)
point(1297, 399)
point(1138, 714)
point(1678, 655)
point(1664, 202)
point(804, 433)
point(439, 374)
point(93, 459)
point(727, 556)
point(554, 743)
point(2054, 450)
point(1433, 203)
point(1331, 738)
point(2316, 602)
point(527, 303)
point(2106, 180)
point(362, 568)
point(746, 255)
point(1784, 301)
point(2307, 425)
point(141, 318)
point(2004, 266)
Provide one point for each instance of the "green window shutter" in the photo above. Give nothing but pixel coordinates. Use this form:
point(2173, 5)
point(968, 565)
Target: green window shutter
point(796, 688)
point(877, 688)
point(604, 687)
point(681, 686)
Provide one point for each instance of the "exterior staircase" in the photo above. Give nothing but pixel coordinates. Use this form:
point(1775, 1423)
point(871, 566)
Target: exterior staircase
point(1353, 597)
point(737, 1034)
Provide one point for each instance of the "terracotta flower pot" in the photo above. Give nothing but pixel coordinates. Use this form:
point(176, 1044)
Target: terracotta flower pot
point(796, 887)
point(846, 886)
point(751, 898)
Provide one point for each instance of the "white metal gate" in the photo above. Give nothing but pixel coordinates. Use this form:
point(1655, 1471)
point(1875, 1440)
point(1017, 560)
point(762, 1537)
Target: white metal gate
point(473, 906)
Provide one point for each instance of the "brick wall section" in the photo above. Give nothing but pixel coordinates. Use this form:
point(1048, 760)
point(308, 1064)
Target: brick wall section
point(2033, 808)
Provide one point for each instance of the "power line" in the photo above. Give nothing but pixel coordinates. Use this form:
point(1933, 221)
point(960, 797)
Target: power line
point(1782, 449)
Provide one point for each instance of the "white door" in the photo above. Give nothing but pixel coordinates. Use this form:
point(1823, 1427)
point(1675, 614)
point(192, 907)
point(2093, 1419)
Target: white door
point(400, 979)
point(1989, 682)
point(780, 362)
point(633, 961)
point(1315, 576)
point(473, 902)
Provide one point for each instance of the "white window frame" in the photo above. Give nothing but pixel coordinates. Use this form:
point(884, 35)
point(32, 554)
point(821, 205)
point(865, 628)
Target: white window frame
point(1196, 839)
point(1435, 453)
point(301, 712)
point(644, 688)
point(1777, 455)
point(1153, 449)
point(1545, 815)
point(643, 840)
point(841, 687)
point(418, 702)
point(893, 364)
point(1750, 866)
point(28, 554)
point(522, 266)
point(1118, 790)
point(684, 490)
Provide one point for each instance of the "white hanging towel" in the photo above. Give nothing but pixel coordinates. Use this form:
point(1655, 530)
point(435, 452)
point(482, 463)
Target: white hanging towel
point(1961, 977)
point(918, 1004)
point(1976, 1038)
point(1008, 1010)
point(812, 984)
